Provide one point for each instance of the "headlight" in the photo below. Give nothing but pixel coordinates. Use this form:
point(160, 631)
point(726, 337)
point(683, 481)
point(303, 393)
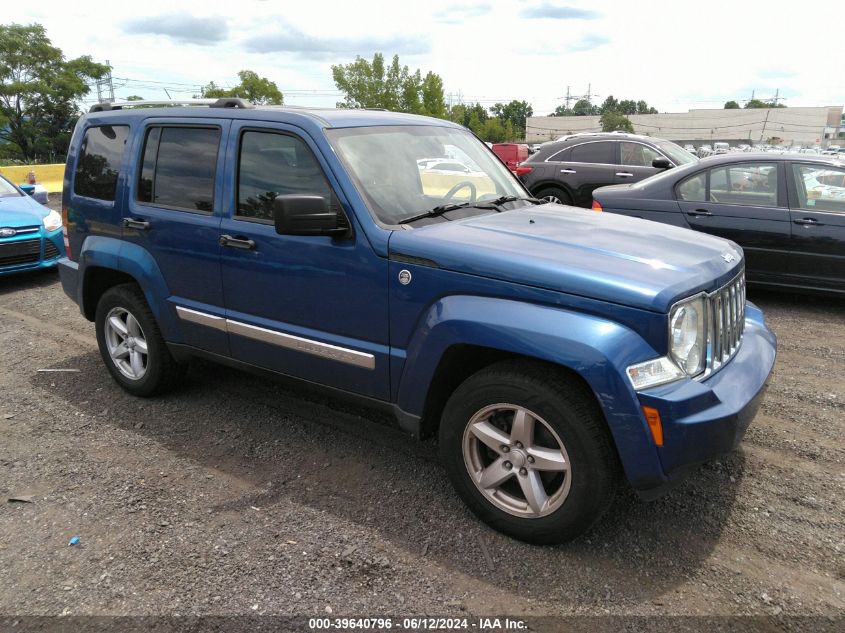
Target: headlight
point(687, 344)
point(53, 221)
point(687, 348)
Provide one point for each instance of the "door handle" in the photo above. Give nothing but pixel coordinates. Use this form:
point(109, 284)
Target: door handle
point(568, 171)
point(699, 213)
point(624, 174)
point(236, 242)
point(133, 223)
point(807, 221)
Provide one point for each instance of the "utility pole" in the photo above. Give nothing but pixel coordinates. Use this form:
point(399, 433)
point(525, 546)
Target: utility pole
point(763, 132)
point(568, 98)
point(589, 90)
point(105, 86)
point(775, 100)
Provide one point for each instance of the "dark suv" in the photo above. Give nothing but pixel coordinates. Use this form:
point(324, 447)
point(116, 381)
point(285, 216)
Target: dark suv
point(567, 170)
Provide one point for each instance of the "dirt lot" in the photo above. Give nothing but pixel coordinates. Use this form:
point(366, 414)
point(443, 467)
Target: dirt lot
point(235, 495)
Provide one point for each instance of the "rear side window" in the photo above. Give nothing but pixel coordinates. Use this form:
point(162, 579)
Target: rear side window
point(593, 153)
point(178, 168)
point(99, 160)
point(693, 189)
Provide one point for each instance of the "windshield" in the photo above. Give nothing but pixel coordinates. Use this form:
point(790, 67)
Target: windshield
point(7, 189)
point(676, 153)
point(403, 171)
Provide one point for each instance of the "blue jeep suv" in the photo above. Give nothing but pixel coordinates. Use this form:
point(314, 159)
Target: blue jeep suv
point(551, 352)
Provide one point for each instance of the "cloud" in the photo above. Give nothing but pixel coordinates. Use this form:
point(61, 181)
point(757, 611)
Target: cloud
point(777, 73)
point(589, 42)
point(461, 13)
point(181, 27)
point(290, 40)
point(557, 12)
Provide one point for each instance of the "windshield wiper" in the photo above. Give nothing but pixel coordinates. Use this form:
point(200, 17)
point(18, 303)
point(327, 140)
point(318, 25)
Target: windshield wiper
point(433, 213)
point(498, 202)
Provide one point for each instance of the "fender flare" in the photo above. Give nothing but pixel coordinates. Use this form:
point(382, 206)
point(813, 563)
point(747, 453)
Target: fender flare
point(596, 349)
point(115, 254)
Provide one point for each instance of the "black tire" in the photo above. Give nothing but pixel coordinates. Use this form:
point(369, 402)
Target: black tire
point(555, 192)
point(570, 410)
point(161, 371)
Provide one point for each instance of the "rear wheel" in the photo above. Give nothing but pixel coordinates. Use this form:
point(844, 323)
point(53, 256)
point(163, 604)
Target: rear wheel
point(529, 452)
point(556, 195)
point(131, 344)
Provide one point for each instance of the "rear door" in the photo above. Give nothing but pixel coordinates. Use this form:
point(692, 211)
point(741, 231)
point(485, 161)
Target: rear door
point(588, 166)
point(817, 210)
point(173, 212)
point(746, 203)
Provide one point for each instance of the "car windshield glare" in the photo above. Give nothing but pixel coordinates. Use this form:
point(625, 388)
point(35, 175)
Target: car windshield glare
point(403, 171)
point(7, 189)
point(676, 153)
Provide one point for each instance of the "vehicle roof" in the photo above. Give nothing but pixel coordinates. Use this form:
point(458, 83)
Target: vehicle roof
point(744, 157)
point(322, 117)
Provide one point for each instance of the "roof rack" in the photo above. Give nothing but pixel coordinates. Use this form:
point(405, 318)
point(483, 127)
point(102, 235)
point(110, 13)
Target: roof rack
point(225, 102)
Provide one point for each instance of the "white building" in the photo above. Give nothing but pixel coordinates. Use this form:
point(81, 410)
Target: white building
point(795, 126)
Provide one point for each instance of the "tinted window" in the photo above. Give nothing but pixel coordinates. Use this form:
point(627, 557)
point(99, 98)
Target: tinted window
point(750, 184)
point(561, 156)
point(593, 153)
point(636, 155)
point(99, 161)
point(820, 187)
point(693, 188)
point(274, 165)
point(178, 167)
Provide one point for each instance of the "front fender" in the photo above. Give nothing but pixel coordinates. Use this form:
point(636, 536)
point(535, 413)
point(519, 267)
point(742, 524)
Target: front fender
point(596, 349)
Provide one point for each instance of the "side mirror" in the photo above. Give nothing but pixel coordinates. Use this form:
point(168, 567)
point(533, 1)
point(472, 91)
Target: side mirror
point(306, 215)
point(661, 162)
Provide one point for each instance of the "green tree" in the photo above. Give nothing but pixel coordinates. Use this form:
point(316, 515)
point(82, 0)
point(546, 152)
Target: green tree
point(731, 105)
point(374, 85)
point(612, 121)
point(644, 108)
point(515, 113)
point(258, 90)
point(583, 107)
point(134, 98)
point(562, 110)
point(757, 103)
point(628, 106)
point(39, 92)
point(610, 105)
point(433, 99)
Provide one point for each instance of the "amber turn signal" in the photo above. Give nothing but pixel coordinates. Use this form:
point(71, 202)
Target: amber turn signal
point(652, 416)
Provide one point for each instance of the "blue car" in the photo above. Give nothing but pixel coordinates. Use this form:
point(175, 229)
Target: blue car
point(554, 352)
point(30, 233)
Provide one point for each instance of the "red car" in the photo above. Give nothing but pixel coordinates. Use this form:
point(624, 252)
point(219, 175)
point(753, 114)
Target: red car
point(512, 154)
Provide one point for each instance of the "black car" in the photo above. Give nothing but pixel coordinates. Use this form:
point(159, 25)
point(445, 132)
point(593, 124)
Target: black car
point(567, 170)
point(786, 211)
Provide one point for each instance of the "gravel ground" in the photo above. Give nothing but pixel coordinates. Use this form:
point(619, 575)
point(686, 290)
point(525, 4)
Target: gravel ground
point(236, 495)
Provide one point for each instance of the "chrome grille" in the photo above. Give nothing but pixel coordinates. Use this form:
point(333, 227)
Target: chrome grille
point(727, 318)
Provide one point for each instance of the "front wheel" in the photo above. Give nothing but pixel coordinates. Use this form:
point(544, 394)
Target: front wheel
point(131, 345)
point(529, 452)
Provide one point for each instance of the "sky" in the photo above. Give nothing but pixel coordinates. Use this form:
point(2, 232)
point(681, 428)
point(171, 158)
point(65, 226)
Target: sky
point(675, 55)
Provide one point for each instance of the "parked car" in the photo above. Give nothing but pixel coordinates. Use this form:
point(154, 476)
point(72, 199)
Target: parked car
point(550, 350)
point(30, 233)
point(512, 154)
point(705, 151)
point(721, 148)
point(690, 148)
point(786, 211)
point(567, 171)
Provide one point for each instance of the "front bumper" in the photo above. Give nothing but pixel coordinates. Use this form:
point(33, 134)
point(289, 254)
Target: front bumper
point(702, 420)
point(32, 251)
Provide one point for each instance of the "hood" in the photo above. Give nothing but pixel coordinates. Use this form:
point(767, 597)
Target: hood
point(18, 211)
point(604, 256)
